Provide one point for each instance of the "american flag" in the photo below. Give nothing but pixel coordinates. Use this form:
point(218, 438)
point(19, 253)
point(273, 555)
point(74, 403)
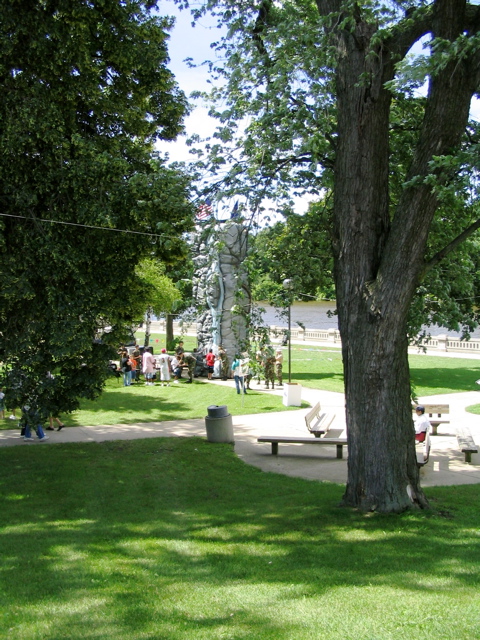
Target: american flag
point(205, 210)
point(235, 212)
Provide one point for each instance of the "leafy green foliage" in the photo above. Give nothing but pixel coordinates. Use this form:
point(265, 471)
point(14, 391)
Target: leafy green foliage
point(299, 249)
point(85, 93)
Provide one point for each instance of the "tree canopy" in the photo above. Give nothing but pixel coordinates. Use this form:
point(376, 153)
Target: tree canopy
point(324, 95)
point(86, 92)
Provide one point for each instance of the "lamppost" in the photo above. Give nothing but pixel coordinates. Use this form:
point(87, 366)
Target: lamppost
point(288, 286)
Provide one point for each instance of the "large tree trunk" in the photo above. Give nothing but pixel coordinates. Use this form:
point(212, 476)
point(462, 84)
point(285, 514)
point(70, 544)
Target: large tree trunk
point(379, 263)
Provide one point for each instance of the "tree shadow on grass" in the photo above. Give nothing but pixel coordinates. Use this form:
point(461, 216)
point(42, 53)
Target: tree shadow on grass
point(181, 535)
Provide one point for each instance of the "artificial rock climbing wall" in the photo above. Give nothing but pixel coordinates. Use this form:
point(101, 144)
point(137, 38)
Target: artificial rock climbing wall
point(221, 287)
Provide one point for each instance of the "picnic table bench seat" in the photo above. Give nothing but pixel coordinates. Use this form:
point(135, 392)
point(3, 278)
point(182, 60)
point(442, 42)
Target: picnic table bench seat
point(276, 440)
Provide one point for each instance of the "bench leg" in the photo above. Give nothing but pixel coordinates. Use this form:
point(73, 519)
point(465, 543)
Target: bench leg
point(468, 456)
point(274, 448)
point(339, 450)
point(434, 429)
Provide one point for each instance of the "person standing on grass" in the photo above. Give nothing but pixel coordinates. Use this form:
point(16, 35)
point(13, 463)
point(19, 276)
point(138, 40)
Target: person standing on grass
point(176, 369)
point(2, 403)
point(163, 363)
point(270, 369)
point(133, 364)
point(126, 369)
point(238, 368)
point(190, 359)
point(148, 366)
point(279, 366)
point(225, 369)
point(179, 351)
point(210, 361)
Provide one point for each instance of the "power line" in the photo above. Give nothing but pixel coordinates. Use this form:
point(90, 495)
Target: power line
point(88, 226)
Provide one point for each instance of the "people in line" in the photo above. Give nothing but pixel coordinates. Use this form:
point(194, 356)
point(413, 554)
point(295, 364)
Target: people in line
point(164, 366)
point(259, 364)
point(210, 362)
point(279, 366)
point(176, 369)
point(179, 350)
point(190, 359)
point(239, 369)
point(2, 403)
point(225, 367)
point(148, 367)
point(126, 368)
point(133, 365)
point(270, 370)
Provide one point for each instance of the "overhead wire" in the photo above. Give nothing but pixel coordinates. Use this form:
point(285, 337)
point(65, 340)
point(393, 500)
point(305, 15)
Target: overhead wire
point(88, 226)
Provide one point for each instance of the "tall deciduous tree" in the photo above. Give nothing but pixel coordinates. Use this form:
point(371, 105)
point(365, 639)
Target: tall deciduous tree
point(323, 84)
point(85, 93)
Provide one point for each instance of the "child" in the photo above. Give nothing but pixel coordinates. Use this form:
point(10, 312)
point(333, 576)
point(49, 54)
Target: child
point(2, 403)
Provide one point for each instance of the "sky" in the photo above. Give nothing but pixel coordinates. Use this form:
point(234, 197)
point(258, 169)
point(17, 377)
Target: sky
point(187, 41)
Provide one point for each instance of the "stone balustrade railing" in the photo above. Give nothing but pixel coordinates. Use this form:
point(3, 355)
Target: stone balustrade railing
point(332, 336)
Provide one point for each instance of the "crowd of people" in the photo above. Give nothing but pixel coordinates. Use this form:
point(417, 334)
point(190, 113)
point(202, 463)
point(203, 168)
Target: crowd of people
point(165, 368)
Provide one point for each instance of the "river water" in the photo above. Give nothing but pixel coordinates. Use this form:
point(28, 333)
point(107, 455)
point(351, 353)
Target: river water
point(315, 315)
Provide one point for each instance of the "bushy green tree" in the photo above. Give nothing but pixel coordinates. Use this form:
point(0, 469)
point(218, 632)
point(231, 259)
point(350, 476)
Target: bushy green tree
point(320, 86)
point(298, 247)
point(85, 93)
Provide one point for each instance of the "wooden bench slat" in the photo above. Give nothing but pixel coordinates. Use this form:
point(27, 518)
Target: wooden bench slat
point(466, 443)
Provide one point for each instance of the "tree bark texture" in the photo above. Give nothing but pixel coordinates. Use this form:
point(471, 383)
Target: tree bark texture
point(379, 253)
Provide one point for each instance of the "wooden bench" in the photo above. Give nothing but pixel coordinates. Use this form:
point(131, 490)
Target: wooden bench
point(318, 423)
point(276, 440)
point(436, 413)
point(422, 450)
point(466, 443)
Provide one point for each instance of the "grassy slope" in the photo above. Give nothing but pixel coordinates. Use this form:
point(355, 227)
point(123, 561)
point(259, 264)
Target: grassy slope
point(177, 539)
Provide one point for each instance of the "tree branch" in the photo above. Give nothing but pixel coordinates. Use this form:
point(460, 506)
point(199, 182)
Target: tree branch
point(438, 257)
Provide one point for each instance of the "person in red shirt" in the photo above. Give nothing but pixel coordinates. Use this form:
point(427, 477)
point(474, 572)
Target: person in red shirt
point(210, 360)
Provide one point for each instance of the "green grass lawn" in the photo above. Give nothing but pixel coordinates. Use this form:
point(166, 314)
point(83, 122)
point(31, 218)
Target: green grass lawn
point(178, 539)
point(139, 403)
point(157, 341)
point(474, 408)
point(321, 368)
point(314, 367)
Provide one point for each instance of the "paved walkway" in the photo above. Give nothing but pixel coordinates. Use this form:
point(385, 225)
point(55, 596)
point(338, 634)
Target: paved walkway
point(445, 467)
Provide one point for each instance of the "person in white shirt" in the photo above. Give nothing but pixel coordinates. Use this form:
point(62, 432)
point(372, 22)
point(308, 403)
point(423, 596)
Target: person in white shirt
point(422, 424)
point(148, 363)
point(163, 363)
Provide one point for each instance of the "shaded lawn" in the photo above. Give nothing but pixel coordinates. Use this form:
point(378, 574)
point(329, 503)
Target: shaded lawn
point(139, 403)
point(178, 539)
